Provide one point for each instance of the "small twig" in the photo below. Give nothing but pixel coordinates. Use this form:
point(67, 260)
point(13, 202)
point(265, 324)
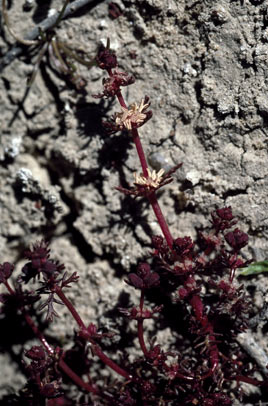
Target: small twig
point(11, 31)
point(44, 26)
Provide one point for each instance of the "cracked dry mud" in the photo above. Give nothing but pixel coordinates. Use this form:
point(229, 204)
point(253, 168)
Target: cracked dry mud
point(204, 65)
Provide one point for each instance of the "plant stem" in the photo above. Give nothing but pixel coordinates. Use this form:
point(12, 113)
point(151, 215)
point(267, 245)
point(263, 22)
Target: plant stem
point(44, 26)
point(152, 197)
point(37, 332)
point(110, 363)
point(76, 379)
point(140, 327)
point(31, 323)
point(70, 307)
point(161, 219)
point(198, 307)
point(11, 31)
point(119, 96)
point(96, 349)
point(140, 151)
point(50, 350)
point(60, 15)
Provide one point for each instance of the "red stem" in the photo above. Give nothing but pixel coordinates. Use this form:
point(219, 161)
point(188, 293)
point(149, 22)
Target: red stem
point(32, 324)
point(198, 307)
point(152, 197)
point(140, 327)
point(50, 350)
point(161, 219)
point(110, 363)
point(251, 381)
point(9, 288)
point(140, 151)
point(76, 379)
point(70, 307)
point(37, 332)
point(121, 100)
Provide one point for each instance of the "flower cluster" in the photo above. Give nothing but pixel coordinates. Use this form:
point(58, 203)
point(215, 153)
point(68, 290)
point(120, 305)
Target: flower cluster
point(129, 118)
point(43, 372)
point(146, 185)
point(40, 263)
point(152, 181)
point(111, 85)
point(133, 117)
point(144, 278)
point(106, 59)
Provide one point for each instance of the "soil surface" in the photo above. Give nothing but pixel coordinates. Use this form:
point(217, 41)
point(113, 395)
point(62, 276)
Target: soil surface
point(204, 66)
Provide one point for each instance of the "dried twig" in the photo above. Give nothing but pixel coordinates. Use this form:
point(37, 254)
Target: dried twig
point(44, 26)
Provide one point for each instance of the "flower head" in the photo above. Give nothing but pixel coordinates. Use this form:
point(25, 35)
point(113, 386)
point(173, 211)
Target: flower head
point(106, 59)
point(133, 117)
point(111, 85)
point(237, 239)
point(146, 185)
point(153, 181)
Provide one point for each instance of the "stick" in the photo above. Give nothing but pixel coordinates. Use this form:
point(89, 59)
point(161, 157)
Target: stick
point(44, 25)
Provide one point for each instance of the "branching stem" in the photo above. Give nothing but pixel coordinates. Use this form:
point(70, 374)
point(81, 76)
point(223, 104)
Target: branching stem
point(152, 197)
point(96, 349)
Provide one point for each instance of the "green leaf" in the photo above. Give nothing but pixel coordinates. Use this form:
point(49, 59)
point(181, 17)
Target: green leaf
point(255, 268)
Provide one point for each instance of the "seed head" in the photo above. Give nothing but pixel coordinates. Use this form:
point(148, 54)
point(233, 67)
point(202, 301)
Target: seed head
point(153, 181)
point(133, 117)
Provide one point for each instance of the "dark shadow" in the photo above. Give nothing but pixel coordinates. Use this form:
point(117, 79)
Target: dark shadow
point(114, 153)
point(90, 117)
point(15, 330)
point(125, 336)
point(43, 7)
point(41, 11)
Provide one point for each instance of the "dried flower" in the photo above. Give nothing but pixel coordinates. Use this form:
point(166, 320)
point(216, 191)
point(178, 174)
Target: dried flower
point(152, 181)
point(133, 117)
point(111, 85)
point(145, 185)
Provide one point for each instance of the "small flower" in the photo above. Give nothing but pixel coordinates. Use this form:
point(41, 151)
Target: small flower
point(146, 185)
point(40, 263)
point(92, 332)
point(145, 281)
point(138, 314)
point(133, 117)
point(106, 59)
point(152, 181)
point(183, 246)
point(237, 239)
point(223, 219)
point(111, 85)
point(36, 353)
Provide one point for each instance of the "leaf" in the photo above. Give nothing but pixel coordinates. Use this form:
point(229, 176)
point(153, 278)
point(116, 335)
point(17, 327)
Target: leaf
point(255, 268)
